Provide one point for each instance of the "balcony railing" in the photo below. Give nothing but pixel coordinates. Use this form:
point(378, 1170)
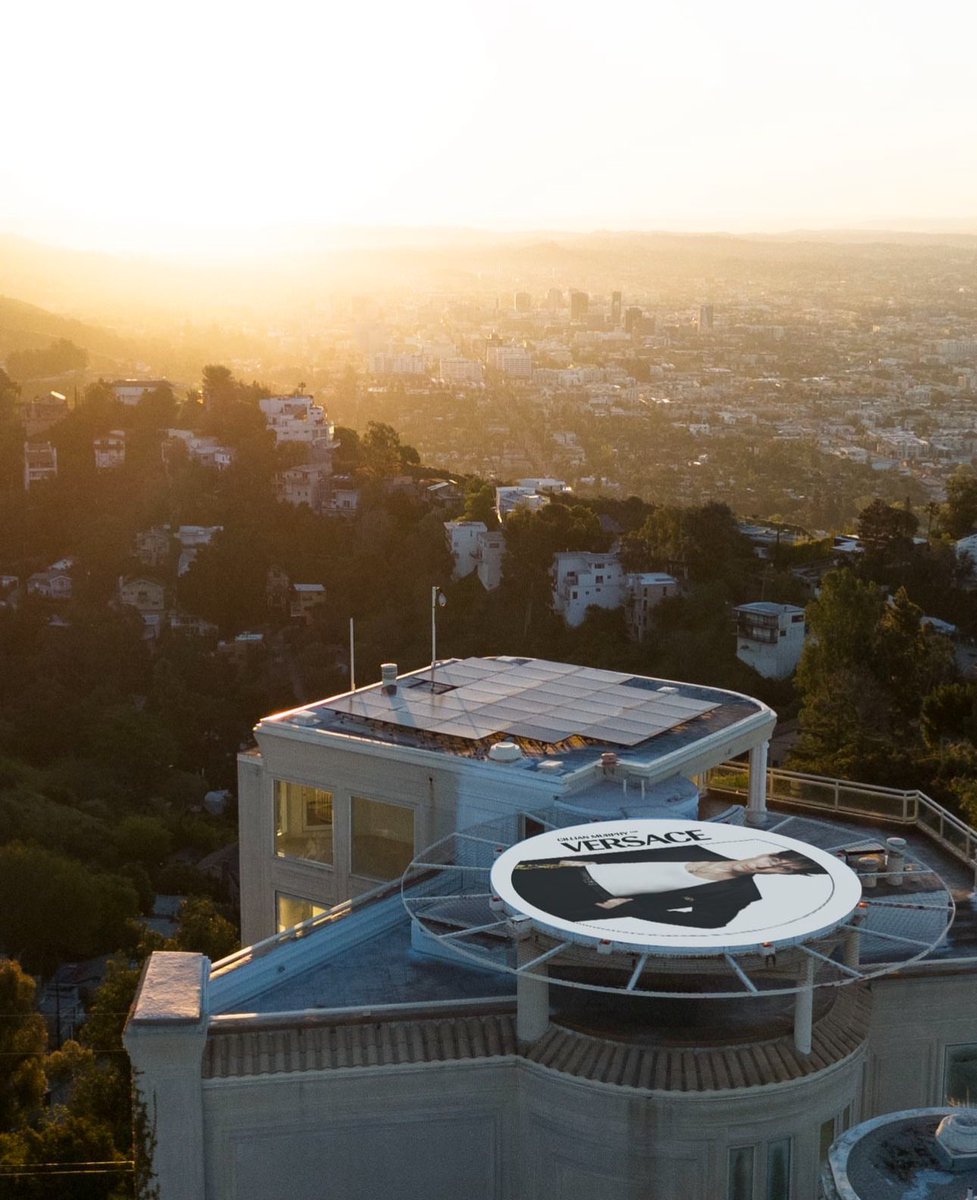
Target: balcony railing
point(850, 799)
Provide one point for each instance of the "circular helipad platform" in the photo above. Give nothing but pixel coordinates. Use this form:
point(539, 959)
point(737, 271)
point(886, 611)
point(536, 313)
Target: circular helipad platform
point(523, 906)
point(676, 887)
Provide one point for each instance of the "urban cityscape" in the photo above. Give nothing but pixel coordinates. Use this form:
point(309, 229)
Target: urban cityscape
point(488, 605)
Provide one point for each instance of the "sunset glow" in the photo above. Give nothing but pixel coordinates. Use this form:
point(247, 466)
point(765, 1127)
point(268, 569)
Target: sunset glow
point(219, 125)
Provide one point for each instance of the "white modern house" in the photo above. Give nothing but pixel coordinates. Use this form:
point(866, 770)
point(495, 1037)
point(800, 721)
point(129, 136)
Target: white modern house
point(299, 419)
point(489, 553)
point(110, 450)
point(644, 591)
point(770, 637)
point(462, 539)
point(40, 463)
point(582, 579)
point(429, 1029)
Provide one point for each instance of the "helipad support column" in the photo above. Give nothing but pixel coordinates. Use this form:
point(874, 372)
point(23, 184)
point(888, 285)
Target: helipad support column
point(757, 806)
point(532, 995)
point(804, 1008)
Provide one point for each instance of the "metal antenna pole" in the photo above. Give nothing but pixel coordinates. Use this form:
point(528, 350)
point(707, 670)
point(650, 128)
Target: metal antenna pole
point(434, 634)
point(352, 659)
point(438, 599)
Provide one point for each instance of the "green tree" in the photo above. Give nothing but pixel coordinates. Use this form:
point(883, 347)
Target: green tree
point(58, 358)
point(11, 437)
point(52, 908)
point(204, 929)
point(23, 1040)
point(62, 1138)
point(862, 679)
point(883, 527)
point(480, 506)
point(958, 516)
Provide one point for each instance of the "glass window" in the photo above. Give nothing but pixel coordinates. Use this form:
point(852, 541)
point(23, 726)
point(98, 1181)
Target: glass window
point(961, 1074)
point(303, 822)
point(382, 838)
point(740, 1173)
point(293, 910)
point(778, 1169)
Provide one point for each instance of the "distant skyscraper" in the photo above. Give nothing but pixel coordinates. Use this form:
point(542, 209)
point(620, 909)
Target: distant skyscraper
point(579, 304)
point(522, 302)
point(632, 316)
point(705, 316)
point(616, 308)
point(554, 298)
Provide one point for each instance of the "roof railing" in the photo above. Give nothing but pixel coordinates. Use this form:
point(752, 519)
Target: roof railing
point(853, 799)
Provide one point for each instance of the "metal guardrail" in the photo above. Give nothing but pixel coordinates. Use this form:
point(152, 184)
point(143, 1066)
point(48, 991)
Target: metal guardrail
point(851, 799)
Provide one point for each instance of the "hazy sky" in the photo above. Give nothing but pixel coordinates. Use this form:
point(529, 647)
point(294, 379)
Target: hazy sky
point(214, 123)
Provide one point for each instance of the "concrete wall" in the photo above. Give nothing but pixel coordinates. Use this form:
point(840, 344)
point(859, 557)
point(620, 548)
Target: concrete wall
point(915, 1017)
point(444, 798)
point(498, 1130)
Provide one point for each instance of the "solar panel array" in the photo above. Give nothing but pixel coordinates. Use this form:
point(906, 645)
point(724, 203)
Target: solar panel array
point(528, 698)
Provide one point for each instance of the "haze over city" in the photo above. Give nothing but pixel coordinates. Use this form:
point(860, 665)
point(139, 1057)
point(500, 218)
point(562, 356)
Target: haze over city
point(488, 637)
point(218, 127)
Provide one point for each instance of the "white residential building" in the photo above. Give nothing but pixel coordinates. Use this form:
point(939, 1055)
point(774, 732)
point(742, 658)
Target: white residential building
point(204, 450)
point(460, 370)
point(110, 450)
point(422, 1033)
point(462, 538)
point(582, 579)
point(299, 419)
point(489, 554)
point(644, 591)
point(398, 364)
point(191, 538)
point(513, 361)
point(546, 485)
point(303, 484)
point(133, 391)
point(770, 637)
point(40, 463)
point(508, 499)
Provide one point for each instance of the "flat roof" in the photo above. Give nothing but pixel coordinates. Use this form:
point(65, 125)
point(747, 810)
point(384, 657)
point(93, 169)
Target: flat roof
point(545, 707)
point(368, 957)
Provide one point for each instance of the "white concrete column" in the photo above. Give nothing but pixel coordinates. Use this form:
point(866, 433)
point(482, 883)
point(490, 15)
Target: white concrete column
point(165, 1038)
point(757, 807)
point(532, 995)
point(853, 940)
point(804, 1008)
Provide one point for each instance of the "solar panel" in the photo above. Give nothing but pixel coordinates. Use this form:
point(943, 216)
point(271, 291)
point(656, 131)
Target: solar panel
point(535, 699)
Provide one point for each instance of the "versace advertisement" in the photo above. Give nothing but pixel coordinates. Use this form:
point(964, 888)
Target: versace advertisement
point(676, 886)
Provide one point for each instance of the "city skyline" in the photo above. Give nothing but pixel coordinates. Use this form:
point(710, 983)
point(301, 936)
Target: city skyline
point(221, 131)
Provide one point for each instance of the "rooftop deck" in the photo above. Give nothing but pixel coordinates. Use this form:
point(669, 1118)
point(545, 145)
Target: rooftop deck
point(566, 716)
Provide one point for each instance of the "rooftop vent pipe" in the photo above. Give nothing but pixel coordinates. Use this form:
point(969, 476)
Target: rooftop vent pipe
point(388, 676)
point(505, 752)
point(956, 1140)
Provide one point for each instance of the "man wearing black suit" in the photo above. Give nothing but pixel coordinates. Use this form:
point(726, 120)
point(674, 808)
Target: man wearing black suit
point(680, 885)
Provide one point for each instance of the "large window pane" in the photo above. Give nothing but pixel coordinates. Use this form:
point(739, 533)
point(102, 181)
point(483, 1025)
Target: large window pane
point(293, 910)
point(778, 1169)
point(303, 822)
point(740, 1173)
point(961, 1074)
point(382, 838)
